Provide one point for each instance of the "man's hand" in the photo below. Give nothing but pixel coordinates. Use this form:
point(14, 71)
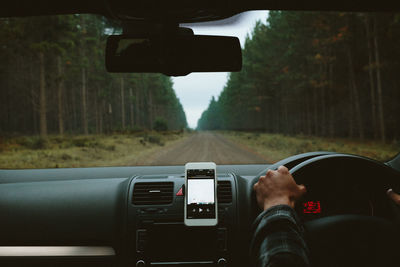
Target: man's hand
point(393, 196)
point(277, 188)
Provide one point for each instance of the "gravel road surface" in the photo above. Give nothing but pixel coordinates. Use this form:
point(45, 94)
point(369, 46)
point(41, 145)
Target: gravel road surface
point(207, 146)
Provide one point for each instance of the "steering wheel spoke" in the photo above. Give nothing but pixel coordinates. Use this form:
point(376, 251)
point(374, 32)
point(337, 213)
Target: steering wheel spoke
point(352, 240)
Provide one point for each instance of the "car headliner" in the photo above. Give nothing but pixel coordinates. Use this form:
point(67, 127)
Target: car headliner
point(180, 11)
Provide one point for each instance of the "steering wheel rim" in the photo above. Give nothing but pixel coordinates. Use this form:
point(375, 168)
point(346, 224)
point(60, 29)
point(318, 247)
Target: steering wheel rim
point(348, 240)
point(294, 160)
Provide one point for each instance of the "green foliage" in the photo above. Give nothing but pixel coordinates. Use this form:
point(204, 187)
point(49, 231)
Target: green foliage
point(79, 42)
point(33, 142)
point(297, 77)
point(152, 139)
point(80, 141)
point(160, 125)
point(155, 139)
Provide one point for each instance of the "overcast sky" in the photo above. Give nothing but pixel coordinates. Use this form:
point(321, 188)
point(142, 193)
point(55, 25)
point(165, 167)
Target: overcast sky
point(195, 90)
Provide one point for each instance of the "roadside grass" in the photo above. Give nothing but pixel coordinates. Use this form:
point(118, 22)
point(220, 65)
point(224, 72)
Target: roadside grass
point(275, 147)
point(25, 152)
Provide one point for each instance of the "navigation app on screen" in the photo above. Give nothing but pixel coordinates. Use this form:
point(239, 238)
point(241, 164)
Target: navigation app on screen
point(200, 195)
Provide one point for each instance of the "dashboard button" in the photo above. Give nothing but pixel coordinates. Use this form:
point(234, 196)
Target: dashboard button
point(221, 262)
point(140, 263)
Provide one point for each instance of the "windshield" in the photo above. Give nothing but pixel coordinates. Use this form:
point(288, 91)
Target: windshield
point(311, 81)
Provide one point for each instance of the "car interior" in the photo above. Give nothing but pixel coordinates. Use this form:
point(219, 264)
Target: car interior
point(134, 215)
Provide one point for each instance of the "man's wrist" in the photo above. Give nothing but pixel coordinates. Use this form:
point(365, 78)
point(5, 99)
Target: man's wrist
point(279, 201)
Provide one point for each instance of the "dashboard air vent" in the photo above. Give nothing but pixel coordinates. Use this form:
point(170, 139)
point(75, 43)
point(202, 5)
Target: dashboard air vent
point(153, 193)
point(224, 192)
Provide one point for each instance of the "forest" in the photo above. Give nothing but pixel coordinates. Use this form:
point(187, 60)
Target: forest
point(53, 81)
point(326, 74)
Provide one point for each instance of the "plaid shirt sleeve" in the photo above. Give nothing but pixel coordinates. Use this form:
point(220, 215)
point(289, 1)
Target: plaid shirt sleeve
point(278, 239)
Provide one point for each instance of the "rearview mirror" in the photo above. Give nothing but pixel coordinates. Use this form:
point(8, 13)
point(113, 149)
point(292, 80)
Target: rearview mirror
point(173, 56)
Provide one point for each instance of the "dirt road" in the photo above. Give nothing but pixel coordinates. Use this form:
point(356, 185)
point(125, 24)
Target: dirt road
point(206, 146)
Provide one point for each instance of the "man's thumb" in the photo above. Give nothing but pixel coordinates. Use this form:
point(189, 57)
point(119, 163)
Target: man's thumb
point(395, 197)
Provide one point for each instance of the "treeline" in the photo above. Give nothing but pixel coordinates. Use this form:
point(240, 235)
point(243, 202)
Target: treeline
point(53, 80)
point(315, 73)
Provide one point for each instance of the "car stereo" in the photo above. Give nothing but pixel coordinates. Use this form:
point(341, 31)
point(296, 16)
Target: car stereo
point(158, 235)
point(172, 243)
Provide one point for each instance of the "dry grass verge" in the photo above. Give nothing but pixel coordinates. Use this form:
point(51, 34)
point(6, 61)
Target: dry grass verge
point(275, 147)
point(83, 151)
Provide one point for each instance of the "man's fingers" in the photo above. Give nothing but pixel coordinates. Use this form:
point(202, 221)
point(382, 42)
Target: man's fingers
point(302, 189)
point(395, 197)
point(282, 169)
point(262, 179)
point(255, 186)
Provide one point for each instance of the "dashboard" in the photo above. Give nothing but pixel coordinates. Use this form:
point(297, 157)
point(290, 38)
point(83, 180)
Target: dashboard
point(100, 217)
point(133, 216)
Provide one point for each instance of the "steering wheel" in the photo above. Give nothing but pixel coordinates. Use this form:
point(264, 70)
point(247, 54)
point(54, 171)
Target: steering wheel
point(351, 239)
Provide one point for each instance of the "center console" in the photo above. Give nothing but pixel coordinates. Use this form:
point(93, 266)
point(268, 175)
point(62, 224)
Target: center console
point(157, 234)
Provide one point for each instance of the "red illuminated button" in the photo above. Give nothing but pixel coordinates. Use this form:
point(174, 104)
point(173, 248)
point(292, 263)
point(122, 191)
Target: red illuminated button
point(312, 207)
point(180, 192)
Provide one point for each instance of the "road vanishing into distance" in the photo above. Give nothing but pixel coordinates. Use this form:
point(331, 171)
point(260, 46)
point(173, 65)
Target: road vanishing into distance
point(206, 146)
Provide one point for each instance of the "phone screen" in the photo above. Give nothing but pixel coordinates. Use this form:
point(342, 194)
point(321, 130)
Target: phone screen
point(200, 194)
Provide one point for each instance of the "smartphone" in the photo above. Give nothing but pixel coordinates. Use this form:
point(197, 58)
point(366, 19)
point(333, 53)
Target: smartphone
point(200, 207)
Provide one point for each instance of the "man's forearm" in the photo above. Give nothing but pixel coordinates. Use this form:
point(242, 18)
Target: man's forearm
point(278, 239)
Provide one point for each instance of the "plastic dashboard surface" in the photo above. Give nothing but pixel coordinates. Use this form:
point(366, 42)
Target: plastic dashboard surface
point(86, 216)
point(114, 216)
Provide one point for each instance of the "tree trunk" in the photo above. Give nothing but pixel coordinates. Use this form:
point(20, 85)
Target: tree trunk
point(60, 85)
point(122, 103)
point(101, 128)
point(138, 121)
point(371, 78)
point(109, 122)
point(323, 104)
point(277, 113)
point(83, 71)
point(316, 124)
point(331, 103)
point(323, 113)
point(351, 111)
point(74, 111)
point(356, 99)
point(33, 97)
point(150, 108)
point(379, 83)
point(286, 129)
point(42, 98)
point(96, 111)
point(84, 105)
point(131, 107)
point(308, 113)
